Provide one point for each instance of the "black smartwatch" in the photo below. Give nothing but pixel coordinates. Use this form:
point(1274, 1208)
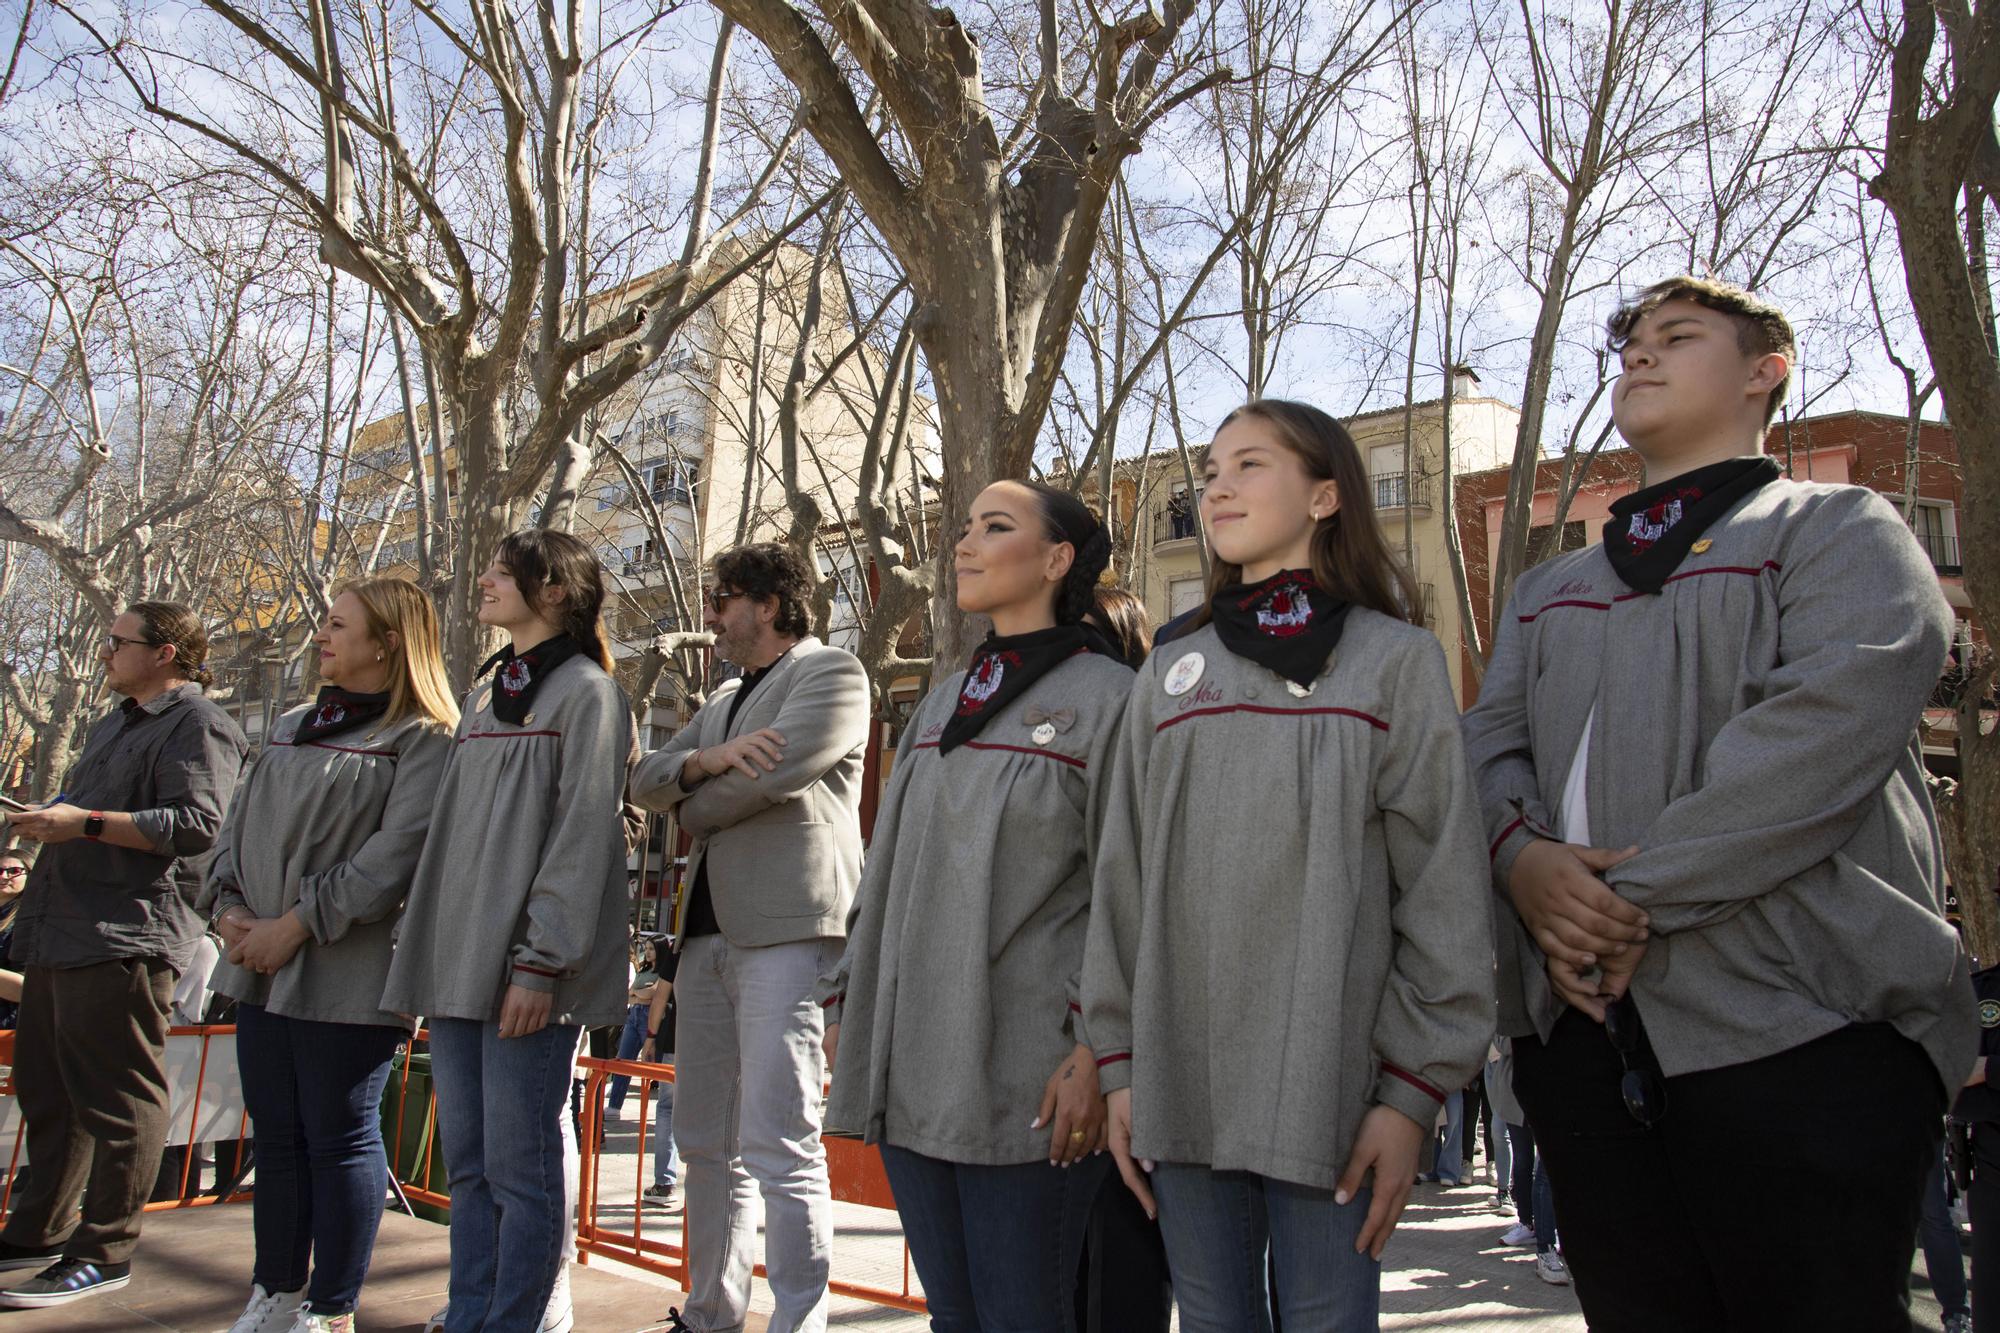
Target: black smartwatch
point(93, 824)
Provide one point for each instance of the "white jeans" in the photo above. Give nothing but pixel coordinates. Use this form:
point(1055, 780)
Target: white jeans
point(750, 1076)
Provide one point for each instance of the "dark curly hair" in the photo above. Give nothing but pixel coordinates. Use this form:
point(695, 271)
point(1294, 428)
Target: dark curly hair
point(772, 569)
point(1068, 519)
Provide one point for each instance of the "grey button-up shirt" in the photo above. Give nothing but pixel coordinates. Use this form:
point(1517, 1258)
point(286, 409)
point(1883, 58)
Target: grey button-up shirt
point(171, 763)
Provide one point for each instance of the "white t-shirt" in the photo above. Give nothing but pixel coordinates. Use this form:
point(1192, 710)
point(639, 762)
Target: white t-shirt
point(1573, 820)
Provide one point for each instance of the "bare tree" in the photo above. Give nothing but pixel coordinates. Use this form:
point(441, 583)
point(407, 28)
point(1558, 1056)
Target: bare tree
point(1940, 171)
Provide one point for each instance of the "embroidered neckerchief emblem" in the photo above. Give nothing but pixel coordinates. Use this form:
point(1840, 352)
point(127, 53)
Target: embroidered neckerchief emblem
point(329, 715)
point(515, 676)
point(1284, 612)
point(984, 682)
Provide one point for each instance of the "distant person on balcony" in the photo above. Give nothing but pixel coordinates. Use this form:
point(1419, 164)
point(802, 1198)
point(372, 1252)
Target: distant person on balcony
point(1736, 1002)
point(955, 1013)
point(1290, 951)
point(105, 926)
point(513, 937)
point(766, 776)
point(314, 862)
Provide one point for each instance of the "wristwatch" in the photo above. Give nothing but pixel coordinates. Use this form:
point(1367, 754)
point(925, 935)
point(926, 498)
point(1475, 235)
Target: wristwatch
point(93, 824)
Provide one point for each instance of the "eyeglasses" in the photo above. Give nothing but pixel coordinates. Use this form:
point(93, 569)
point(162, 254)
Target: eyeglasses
point(714, 600)
point(12, 872)
point(114, 642)
point(1644, 1091)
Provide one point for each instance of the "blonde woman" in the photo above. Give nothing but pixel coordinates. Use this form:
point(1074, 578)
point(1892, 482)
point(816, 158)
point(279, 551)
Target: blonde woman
point(313, 863)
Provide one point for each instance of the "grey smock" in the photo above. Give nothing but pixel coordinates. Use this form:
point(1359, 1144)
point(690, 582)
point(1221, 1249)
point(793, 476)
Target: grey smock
point(966, 939)
point(1291, 921)
point(332, 829)
point(1756, 740)
point(523, 877)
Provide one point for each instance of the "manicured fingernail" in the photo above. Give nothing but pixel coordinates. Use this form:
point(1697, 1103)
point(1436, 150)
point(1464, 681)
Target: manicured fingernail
point(1036, 1123)
point(1341, 1197)
point(1146, 1162)
point(1589, 959)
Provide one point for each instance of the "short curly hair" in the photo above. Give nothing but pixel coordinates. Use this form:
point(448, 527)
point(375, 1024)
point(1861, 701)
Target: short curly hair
point(1761, 328)
point(771, 569)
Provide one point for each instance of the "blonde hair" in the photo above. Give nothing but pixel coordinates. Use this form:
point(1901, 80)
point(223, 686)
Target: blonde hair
point(417, 682)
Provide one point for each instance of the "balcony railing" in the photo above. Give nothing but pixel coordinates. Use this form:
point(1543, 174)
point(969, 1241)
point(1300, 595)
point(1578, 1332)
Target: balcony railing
point(1942, 550)
point(1402, 490)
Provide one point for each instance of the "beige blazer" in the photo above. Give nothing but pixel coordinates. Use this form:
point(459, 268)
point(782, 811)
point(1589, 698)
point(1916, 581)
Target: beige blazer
point(784, 849)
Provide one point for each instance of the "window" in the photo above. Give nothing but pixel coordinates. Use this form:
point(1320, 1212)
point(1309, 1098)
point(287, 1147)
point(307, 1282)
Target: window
point(1183, 596)
point(670, 483)
point(1937, 532)
point(1544, 541)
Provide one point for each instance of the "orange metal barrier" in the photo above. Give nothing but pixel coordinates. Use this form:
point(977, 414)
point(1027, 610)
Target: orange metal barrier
point(855, 1170)
point(228, 1188)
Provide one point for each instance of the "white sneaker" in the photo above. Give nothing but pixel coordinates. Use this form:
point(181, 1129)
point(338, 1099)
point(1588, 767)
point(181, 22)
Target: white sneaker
point(560, 1317)
point(324, 1323)
point(1550, 1268)
point(435, 1324)
point(1518, 1234)
point(269, 1311)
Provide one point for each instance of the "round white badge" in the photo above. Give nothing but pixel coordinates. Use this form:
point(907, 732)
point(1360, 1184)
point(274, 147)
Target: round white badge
point(1182, 675)
point(1044, 734)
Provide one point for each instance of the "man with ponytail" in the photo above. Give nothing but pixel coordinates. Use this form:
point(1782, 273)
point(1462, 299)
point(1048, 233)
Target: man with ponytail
point(105, 927)
point(766, 776)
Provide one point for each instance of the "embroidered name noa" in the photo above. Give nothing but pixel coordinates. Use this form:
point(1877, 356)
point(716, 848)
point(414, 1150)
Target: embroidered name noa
point(983, 682)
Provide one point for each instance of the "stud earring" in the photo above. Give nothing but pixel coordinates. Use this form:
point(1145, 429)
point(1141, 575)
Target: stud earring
point(378, 657)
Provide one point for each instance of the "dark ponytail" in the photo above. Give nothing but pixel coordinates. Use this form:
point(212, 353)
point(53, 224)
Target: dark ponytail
point(171, 625)
point(1068, 519)
point(543, 557)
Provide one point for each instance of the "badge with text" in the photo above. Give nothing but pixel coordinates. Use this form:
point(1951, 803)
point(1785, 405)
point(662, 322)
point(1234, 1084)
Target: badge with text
point(1182, 675)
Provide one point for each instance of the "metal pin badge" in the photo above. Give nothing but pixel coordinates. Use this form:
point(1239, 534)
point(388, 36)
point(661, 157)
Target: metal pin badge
point(1298, 691)
point(1701, 547)
point(1043, 734)
point(528, 721)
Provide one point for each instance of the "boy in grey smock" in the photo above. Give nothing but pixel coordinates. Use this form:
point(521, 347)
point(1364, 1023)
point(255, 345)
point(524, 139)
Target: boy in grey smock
point(1736, 1001)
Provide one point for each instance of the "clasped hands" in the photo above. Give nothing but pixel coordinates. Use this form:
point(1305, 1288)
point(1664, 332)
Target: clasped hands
point(1578, 921)
point(262, 944)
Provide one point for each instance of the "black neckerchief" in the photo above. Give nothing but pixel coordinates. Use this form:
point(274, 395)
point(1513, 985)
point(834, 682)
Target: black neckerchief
point(1287, 624)
point(1001, 671)
point(521, 674)
point(337, 710)
point(1650, 530)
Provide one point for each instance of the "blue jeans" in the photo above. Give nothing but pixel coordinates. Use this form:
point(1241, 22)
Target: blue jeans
point(1534, 1201)
point(1451, 1147)
point(314, 1092)
point(498, 1103)
point(1503, 1160)
point(629, 1041)
point(1943, 1259)
point(997, 1247)
point(1219, 1227)
point(666, 1157)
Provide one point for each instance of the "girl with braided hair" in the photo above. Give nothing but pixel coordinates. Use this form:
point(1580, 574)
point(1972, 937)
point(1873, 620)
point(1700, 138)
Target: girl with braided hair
point(965, 1057)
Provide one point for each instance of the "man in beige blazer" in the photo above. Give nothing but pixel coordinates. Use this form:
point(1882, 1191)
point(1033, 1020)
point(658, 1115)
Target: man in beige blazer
point(766, 777)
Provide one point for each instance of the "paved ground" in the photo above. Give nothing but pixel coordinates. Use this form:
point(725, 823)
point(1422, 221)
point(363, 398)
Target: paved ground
point(1445, 1270)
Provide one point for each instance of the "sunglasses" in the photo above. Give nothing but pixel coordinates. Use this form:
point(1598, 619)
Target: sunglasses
point(1644, 1091)
point(715, 600)
point(12, 872)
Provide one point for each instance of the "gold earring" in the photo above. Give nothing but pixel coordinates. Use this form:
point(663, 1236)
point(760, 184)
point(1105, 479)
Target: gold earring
point(378, 657)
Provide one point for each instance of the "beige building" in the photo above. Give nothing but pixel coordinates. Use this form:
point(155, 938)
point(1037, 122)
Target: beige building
point(1165, 562)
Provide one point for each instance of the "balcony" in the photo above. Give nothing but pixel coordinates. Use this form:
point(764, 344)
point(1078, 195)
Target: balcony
point(1401, 490)
point(1175, 521)
point(1943, 552)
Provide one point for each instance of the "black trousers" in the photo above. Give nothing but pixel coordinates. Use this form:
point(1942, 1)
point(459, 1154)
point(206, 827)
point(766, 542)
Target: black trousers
point(1778, 1194)
point(1982, 1204)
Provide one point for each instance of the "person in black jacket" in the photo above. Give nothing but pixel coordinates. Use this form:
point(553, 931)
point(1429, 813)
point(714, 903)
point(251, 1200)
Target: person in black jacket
point(1978, 1108)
